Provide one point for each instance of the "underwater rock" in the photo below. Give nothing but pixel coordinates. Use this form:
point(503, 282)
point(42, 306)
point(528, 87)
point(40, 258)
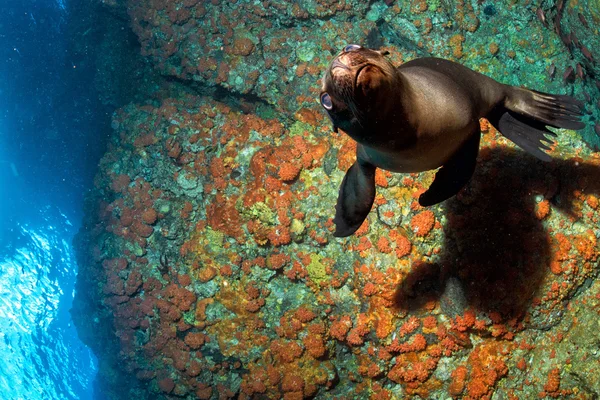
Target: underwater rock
point(234, 286)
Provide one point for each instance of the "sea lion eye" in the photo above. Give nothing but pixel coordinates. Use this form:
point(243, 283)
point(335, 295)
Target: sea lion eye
point(326, 101)
point(351, 47)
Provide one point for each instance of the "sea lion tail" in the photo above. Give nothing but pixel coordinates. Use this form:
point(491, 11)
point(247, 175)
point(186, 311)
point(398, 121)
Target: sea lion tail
point(526, 113)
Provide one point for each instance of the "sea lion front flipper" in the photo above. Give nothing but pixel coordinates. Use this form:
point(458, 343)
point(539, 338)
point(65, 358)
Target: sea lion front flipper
point(356, 197)
point(454, 174)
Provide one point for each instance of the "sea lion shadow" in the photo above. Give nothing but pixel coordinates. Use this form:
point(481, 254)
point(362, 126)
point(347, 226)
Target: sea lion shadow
point(496, 249)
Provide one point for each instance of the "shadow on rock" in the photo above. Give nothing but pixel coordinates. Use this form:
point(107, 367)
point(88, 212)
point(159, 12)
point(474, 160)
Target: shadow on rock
point(496, 250)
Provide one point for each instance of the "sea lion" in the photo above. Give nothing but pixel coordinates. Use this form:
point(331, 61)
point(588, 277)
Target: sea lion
point(424, 115)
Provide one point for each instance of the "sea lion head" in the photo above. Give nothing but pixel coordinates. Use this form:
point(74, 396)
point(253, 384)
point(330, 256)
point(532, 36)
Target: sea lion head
point(357, 86)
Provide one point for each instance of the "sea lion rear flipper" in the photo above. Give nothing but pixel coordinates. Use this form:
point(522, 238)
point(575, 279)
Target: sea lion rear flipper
point(356, 197)
point(454, 174)
point(526, 113)
point(526, 133)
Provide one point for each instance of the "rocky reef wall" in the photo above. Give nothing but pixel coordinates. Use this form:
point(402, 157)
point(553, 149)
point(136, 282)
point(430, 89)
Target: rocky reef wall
point(208, 268)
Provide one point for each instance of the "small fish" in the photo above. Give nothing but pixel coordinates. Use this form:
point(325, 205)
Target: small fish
point(587, 96)
point(552, 71)
point(541, 16)
point(575, 40)
point(579, 69)
point(566, 40)
point(583, 20)
point(569, 75)
point(586, 53)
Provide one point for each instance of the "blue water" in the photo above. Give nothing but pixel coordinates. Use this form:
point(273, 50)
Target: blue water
point(51, 137)
point(40, 354)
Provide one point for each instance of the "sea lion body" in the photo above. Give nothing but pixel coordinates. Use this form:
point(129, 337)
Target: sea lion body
point(424, 115)
point(457, 96)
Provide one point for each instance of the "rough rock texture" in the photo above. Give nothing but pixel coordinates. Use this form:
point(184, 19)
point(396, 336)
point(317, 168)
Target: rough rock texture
point(208, 268)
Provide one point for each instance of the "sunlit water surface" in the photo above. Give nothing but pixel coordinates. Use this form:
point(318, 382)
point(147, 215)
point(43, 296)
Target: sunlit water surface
point(40, 354)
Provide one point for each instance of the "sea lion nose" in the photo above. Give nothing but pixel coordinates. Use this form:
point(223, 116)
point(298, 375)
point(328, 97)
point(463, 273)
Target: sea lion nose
point(337, 63)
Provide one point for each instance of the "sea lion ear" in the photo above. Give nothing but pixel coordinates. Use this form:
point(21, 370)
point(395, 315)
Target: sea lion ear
point(369, 82)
